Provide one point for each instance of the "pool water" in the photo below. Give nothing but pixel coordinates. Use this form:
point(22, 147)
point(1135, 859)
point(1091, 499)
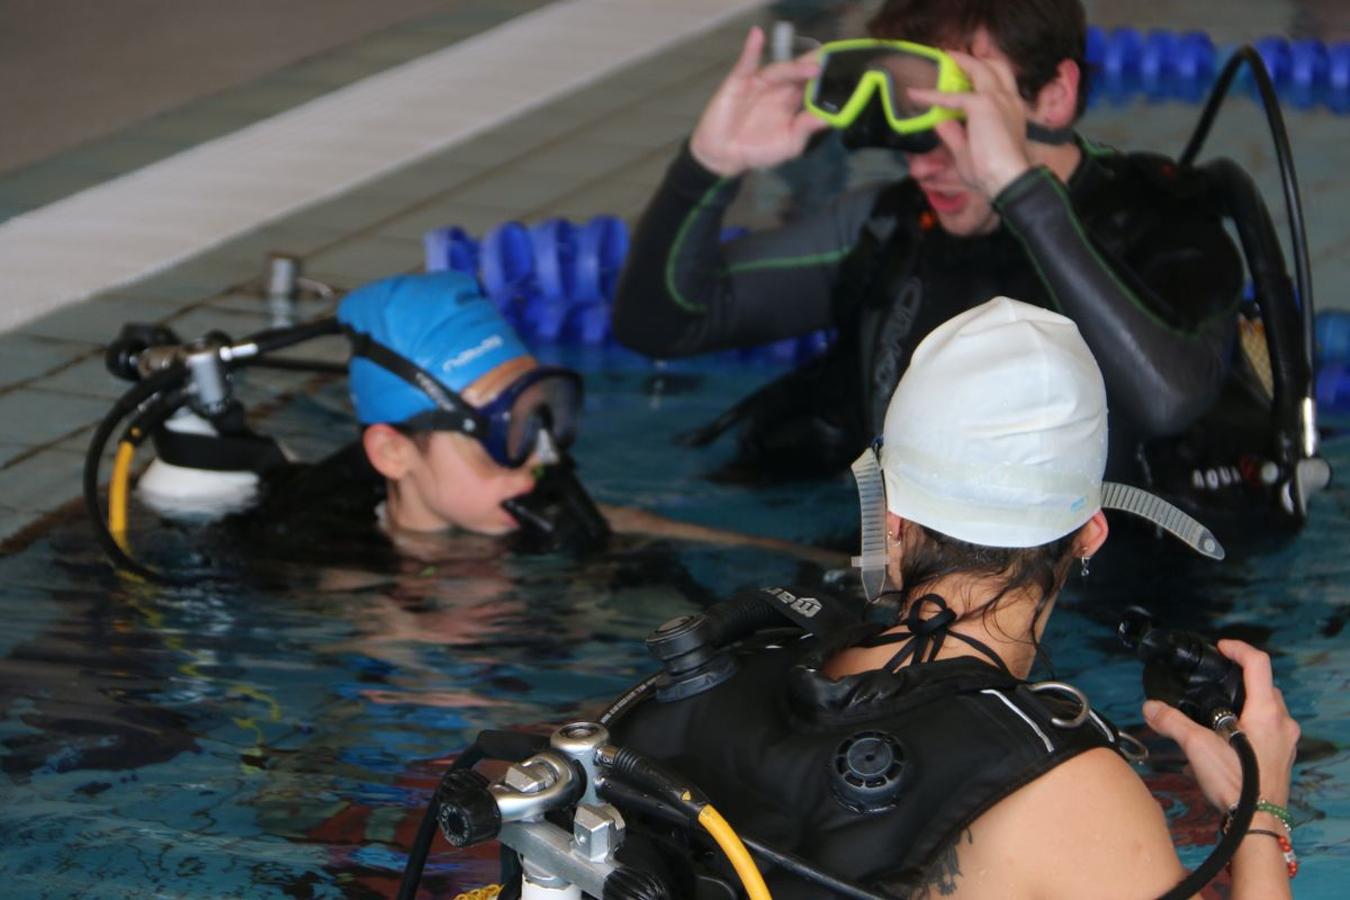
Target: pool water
point(230, 738)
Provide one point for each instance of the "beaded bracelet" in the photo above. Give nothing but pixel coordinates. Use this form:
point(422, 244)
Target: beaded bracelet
point(1280, 813)
point(1286, 848)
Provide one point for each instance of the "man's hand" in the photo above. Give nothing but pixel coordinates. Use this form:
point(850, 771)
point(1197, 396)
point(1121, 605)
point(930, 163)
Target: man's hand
point(756, 119)
point(1265, 720)
point(990, 148)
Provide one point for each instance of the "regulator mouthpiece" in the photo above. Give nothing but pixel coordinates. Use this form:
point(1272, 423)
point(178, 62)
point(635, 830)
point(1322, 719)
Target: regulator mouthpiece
point(558, 514)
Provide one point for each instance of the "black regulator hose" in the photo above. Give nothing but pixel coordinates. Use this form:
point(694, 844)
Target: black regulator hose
point(272, 339)
point(511, 746)
point(426, 830)
point(1279, 134)
point(141, 393)
point(1237, 825)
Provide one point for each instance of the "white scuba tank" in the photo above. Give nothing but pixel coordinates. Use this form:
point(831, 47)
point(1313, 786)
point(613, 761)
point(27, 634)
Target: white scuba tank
point(179, 492)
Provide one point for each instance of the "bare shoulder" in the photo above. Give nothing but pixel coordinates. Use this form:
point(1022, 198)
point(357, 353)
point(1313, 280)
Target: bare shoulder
point(1088, 827)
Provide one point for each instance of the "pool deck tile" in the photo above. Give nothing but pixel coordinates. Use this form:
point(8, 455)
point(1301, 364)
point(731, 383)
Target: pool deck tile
point(614, 197)
point(99, 319)
point(88, 378)
point(42, 482)
point(26, 356)
point(447, 212)
point(512, 189)
point(355, 262)
point(582, 160)
point(33, 416)
point(10, 450)
point(12, 521)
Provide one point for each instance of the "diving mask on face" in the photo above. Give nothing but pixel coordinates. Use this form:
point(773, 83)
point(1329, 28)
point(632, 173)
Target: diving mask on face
point(512, 424)
point(543, 399)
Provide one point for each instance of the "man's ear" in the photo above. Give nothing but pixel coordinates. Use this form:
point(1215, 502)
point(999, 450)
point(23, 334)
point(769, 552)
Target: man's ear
point(390, 451)
point(1091, 536)
point(1057, 102)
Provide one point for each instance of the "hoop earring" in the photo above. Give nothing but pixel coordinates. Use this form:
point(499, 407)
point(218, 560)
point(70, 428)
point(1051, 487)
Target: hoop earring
point(1084, 560)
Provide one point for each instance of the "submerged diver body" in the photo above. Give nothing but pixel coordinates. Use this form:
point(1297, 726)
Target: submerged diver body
point(905, 750)
point(1131, 247)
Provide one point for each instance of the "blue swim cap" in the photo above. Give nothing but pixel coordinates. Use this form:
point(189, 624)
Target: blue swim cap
point(439, 321)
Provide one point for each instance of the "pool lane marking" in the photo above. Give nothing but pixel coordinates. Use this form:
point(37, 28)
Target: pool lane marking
point(149, 220)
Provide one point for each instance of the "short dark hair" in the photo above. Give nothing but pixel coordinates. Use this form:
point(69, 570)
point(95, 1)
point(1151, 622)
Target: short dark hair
point(1037, 35)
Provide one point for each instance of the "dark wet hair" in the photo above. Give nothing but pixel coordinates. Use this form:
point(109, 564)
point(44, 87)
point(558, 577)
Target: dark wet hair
point(1043, 569)
point(1035, 34)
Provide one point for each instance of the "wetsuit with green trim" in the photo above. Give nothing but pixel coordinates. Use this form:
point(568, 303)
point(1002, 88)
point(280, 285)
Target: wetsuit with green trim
point(1129, 249)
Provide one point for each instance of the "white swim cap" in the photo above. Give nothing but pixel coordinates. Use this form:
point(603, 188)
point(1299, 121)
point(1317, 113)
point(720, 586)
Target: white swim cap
point(996, 434)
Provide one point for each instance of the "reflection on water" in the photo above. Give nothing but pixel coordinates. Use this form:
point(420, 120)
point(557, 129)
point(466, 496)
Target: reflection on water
point(236, 738)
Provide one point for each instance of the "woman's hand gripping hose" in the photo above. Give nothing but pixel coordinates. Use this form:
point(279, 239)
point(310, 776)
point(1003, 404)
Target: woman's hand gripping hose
point(1240, 763)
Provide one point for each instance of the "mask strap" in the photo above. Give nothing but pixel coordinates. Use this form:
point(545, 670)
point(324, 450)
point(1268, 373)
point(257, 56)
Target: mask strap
point(1155, 509)
point(1043, 135)
point(872, 511)
point(446, 400)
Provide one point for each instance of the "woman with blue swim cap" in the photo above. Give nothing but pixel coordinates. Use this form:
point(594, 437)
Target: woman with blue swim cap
point(464, 430)
point(453, 454)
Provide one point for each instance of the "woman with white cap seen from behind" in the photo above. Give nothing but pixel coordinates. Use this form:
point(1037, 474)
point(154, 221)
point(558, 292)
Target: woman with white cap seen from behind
point(905, 749)
point(992, 460)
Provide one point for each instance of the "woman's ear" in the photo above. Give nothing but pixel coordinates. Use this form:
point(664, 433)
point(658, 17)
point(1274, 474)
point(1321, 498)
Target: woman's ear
point(895, 548)
point(1057, 101)
point(1091, 536)
point(389, 450)
point(895, 527)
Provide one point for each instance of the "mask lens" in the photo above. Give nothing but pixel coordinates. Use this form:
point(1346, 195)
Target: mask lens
point(840, 73)
point(843, 70)
point(551, 403)
point(908, 70)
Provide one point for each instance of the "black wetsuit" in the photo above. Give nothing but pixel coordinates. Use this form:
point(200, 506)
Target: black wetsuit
point(1130, 250)
point(320, 513)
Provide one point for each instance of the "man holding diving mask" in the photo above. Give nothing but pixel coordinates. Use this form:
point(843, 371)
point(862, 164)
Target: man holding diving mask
point(1001, 197)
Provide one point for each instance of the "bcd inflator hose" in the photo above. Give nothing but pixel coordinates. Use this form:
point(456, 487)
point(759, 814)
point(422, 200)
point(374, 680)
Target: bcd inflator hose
point(1238, 823)
point(154, 398)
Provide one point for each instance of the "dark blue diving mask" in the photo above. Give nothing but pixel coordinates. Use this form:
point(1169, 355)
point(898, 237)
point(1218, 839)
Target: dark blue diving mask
point(543, 399)
point(534, 420)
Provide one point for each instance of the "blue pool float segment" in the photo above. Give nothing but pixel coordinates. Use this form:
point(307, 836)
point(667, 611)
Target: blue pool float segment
point(555, 281)
point(1163, 65)
point(1332, 331)
point(450, 249)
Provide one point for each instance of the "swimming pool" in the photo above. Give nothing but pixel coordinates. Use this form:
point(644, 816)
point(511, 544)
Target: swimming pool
point(233, 739)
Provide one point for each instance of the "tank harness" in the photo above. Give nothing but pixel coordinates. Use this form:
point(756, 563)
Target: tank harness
point(870, 776)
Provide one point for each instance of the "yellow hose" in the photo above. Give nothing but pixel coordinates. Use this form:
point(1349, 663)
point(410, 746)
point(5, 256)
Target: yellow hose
point(118, 491)
point(731, 845)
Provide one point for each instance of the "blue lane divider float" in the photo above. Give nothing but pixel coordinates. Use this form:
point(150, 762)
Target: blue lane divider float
point(1181, 66)
point(1333, 355)
point(555, 281)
